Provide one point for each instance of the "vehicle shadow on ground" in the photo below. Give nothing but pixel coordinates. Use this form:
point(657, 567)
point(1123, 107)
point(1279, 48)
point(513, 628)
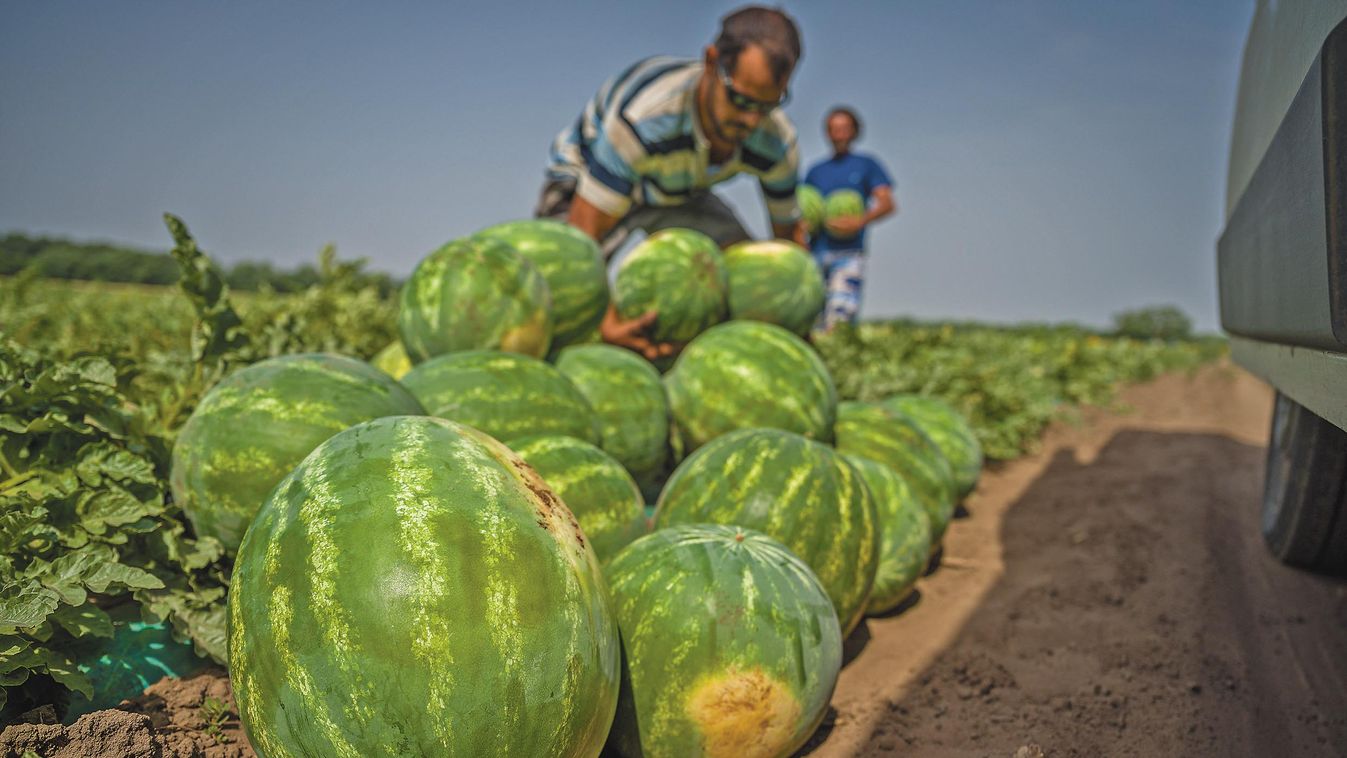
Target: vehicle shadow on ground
point(1138, 614)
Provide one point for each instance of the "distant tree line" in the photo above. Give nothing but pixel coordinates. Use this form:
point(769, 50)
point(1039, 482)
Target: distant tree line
point(95, 261)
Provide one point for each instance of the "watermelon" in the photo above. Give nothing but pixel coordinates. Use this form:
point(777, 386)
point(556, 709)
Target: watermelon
point(732, 647)
point(572, 264)
point(793, 489)
point(873, 431)
point(393, 360)
point(258, 423)
point(844, 202)
point(474, 294)
point(905, 535)
point(680, 273)
point(949, 430)
point(506, 395)
point(628, 398)
point(747, 374)
point(812, 207)
point(776, 282)
point(414, 588)
point(601, 494)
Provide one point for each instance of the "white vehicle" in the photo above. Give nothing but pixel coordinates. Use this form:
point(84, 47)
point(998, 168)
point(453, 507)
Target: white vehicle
point(1282, 262)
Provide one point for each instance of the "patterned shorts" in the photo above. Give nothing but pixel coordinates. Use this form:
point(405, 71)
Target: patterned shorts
point(843, 275)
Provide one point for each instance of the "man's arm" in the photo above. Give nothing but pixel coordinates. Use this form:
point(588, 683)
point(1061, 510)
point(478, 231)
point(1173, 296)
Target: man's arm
point(797, 232)
point(590, 220)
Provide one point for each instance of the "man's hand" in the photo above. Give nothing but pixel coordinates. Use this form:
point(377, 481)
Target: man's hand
point(631, 334)
point(846, 226)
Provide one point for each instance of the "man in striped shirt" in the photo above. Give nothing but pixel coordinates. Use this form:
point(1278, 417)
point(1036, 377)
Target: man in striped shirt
point(652, 142)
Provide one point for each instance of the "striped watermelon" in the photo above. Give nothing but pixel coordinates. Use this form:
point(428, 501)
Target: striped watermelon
point(576, 274)
point(774, 281)
point(629, 400)
point(732, 647)
point(601, 494)
point(258, 423)
point(748, 374)
point(393, 360)
point(681, 274)
point(793, 489)
point(414, 588)
point(881, 434)
point(905, 535)
point(950, 432)
point(506, 395)
point(812, 207)
point(844, 202)
point(474, 294)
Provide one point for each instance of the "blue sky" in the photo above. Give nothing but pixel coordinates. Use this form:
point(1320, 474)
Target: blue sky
point(1054, 160)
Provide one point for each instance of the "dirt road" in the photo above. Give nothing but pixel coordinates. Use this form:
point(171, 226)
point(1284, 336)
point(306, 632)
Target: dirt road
point(1111, 596)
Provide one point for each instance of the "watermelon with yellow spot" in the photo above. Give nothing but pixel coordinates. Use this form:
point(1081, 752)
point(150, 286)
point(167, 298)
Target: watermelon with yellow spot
point(775, 281)
point(258, 423)
point(794, 490)
point(601, 494)
point(732, 646)
point(414, 588)
point(904, 531)
point(506, 395)
point(471, 294)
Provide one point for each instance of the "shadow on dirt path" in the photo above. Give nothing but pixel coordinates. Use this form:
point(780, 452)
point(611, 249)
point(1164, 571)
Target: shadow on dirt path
point(1137, 614)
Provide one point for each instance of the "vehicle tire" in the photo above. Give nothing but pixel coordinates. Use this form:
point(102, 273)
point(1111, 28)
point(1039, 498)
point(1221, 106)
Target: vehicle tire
point(1305, 492)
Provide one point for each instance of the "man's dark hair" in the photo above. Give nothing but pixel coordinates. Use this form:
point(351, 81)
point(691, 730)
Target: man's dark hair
point(845, 111)
point(768, 28)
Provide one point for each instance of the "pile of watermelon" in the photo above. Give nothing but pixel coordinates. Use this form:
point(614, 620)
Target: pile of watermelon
point(511, 538)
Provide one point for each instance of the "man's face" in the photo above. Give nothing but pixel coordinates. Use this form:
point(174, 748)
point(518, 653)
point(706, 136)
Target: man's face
point(750, 77)
point(841, 132)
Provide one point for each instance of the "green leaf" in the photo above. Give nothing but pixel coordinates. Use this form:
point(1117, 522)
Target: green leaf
point(26, 603)
point(84, 620)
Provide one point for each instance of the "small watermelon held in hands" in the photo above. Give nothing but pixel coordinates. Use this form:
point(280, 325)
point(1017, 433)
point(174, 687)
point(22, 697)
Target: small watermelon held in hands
point(732, 647)
point(414, 588)
point(774, 281)
point(844, 202)
point(254, 426)
point(472, 294)
point(680, 274)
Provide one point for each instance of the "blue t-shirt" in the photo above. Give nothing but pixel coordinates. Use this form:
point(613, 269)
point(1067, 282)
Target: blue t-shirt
point(851, 171)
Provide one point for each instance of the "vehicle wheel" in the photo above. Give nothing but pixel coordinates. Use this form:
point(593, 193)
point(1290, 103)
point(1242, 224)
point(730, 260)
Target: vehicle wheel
point(1305, 492)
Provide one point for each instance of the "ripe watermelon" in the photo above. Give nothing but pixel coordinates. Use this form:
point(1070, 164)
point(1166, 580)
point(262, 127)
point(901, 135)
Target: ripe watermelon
point(393, 360)
point(905, 535)
point(628, 398)
point(506, 395)
point(873, 431)
point(950, 432)
point(471, 294)
point(793, 489)
point(414, 588)
point(681, 274)
point(732, 647)
point(748, 374)
point(573, 266)
point(812, 207)
point(776, 282)
point(255, 425)
point(601, 494)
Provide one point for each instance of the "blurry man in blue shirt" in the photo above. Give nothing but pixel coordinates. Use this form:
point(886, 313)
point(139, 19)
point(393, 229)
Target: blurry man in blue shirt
point(839, 249)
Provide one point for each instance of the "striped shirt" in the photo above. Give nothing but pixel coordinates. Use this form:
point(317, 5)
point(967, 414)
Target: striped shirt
point(639, 142)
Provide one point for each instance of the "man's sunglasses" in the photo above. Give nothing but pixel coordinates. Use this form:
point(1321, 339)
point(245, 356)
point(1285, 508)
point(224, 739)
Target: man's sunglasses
point(746, 103)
